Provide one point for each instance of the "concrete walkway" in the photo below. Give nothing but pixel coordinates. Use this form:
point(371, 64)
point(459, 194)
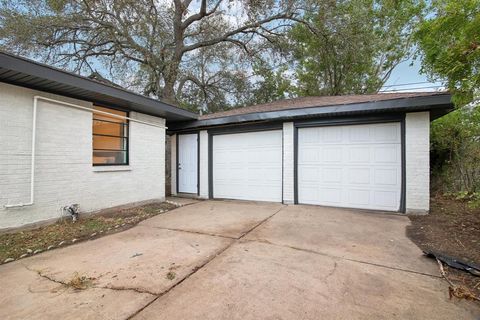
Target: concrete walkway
point(238, 260)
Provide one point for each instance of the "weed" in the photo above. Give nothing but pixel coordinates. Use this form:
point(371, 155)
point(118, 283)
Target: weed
point(79, 282)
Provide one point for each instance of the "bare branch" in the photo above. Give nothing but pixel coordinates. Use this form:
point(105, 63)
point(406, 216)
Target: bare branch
point(201, 14)
point(226, 37)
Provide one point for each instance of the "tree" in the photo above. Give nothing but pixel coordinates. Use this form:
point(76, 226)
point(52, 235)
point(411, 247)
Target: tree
point(151, 38)
point(272, 82)
point(449, 47)
point(351, 46)
point(449, 44)
point(214, 80)
point(455, 140)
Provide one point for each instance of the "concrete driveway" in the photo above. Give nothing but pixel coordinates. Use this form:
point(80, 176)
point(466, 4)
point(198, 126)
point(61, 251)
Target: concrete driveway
point(238, 260)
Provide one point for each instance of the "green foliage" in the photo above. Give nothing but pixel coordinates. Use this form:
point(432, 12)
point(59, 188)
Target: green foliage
point(450, 46)
point(455, 144)
point(352, 46)
point(273, 85)
point(471, 198)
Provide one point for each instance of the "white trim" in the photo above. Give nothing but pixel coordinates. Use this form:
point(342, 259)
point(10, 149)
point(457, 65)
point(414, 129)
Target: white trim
point(100, 112)
point(111, 168)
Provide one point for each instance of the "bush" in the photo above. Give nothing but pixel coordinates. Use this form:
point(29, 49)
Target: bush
point(455, 152)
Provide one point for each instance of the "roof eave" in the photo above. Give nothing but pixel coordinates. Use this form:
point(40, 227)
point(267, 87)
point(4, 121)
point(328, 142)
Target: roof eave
point(440, 102)
point(103, 92)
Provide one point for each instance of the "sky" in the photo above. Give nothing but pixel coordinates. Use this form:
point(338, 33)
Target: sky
point(409, 72)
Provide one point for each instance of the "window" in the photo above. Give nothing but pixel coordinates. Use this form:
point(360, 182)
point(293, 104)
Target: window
point(110, 138)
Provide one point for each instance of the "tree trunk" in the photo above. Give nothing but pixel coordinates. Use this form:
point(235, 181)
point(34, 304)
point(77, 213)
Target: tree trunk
point(171, 71)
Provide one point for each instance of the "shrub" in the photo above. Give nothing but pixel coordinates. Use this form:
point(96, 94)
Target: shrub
point(455, 152)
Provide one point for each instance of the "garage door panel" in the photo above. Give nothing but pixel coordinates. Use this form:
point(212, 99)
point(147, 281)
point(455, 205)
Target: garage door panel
point(308, 154)
point(358, 197)
point(309, 174)
point(387, 177)
point(359, 135)
point(269, 156)
point(249, 166)
point(331, 135)
point(385, 133)
point(386, 154)
point(367, 170)
point(264, 175)
point(385, 198)
point(357, 176)
point(332, 196)
point(331, 175)
point(359, 154)
point(331, 154)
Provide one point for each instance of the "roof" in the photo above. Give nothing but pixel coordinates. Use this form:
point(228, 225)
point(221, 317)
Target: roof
point(308, 102)
point(327, 106)
point(34, 75)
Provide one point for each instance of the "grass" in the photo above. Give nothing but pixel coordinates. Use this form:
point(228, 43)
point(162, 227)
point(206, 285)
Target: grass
point(21, 244)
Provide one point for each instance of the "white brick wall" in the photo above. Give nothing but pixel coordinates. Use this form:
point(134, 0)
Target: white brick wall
point(417, 147)
point(64, 172)
point(203, 164)
point(288, 162)
point(173, 164)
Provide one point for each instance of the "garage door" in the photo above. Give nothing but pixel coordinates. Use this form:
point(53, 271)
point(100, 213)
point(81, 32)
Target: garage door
point(356, 166)
point(248, 166)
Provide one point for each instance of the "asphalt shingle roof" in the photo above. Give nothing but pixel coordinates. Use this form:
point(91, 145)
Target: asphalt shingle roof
point(322, 101)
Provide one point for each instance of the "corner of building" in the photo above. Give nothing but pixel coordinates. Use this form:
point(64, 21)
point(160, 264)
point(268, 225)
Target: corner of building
point(417, 162)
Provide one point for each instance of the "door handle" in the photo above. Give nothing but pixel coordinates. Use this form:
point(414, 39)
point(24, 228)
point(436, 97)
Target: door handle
point(179, 166)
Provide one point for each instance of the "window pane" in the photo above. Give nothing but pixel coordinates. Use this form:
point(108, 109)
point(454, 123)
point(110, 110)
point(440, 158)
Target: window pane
point(109, 128)
point(107, 117)
point(109, 143)
point(109, 157)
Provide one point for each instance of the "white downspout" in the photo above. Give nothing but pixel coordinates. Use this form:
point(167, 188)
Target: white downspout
point(34, 132)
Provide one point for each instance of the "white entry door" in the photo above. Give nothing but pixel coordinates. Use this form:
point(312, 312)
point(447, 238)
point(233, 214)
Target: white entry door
point(355, 166)
point(248, 166)
point(187, 163)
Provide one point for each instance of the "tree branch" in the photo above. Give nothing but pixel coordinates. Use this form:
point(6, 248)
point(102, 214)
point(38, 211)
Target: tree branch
point(226, 37)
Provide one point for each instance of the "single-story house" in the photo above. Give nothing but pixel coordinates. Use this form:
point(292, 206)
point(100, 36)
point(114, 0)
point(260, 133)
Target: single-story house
point(67, 139)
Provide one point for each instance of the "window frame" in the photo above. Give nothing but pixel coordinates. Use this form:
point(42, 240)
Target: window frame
point(127, 138)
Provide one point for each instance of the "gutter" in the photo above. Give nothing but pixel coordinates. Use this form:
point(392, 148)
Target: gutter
point(34, 133)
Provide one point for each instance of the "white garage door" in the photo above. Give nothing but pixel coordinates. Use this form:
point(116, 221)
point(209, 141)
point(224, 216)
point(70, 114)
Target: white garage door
point(356, 166)
point(248, 166)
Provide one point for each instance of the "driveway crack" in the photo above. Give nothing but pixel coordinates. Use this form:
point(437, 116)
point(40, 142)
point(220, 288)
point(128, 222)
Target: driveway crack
point(68, 285)
point(261, 222)
point(194, 232)
point(157, 295)
point(342, 258)
point(205, 263)
point(335, 265)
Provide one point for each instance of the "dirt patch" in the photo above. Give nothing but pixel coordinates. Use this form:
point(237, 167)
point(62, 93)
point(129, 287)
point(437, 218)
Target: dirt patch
point(453, 228)
point(21, 244)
